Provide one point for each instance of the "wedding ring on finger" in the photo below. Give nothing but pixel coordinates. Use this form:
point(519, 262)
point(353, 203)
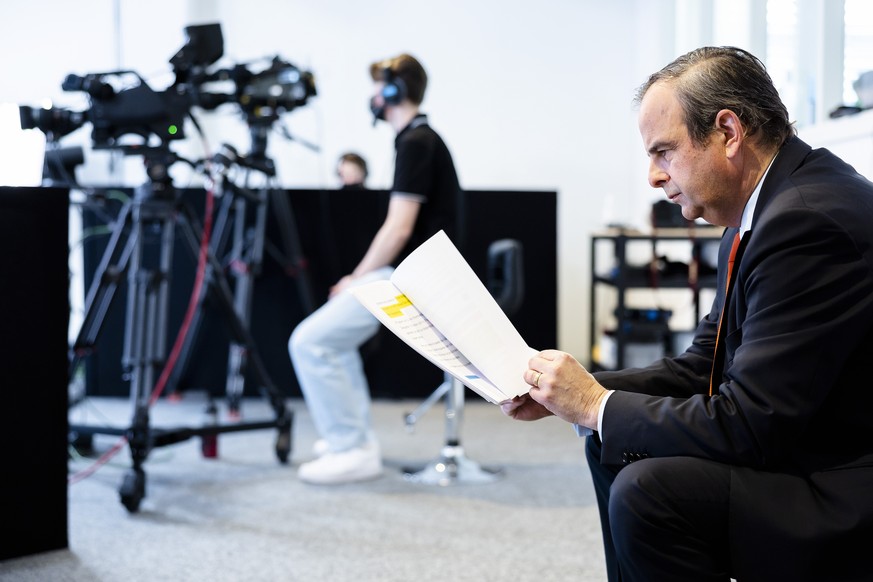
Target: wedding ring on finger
point(536, 381)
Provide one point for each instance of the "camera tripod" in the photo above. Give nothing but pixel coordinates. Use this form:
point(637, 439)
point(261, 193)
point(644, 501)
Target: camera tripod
point(242, 218)
point(156, 210)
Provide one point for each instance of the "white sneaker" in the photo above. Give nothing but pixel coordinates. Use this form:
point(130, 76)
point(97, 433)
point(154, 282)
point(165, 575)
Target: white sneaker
point(360, 464)
point(320, 448)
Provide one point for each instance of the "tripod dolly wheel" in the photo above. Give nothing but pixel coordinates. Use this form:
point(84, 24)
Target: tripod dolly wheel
point(132, 489)
point(283, 444)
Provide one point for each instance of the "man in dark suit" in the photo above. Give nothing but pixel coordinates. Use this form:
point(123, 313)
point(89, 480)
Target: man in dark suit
point(750, 455)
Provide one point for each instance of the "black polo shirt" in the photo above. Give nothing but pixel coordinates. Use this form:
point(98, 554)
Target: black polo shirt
point(424, 172)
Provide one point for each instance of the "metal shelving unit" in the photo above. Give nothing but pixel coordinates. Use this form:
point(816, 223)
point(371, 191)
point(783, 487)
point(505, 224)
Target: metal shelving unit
point(623, 278)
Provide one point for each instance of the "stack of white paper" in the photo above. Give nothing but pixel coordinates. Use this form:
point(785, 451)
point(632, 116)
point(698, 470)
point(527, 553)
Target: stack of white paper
point(435, 303)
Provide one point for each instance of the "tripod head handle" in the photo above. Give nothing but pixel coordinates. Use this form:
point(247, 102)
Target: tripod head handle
point(228, 156)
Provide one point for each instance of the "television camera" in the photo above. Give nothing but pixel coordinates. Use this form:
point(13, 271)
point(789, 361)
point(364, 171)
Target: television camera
point(122, 103)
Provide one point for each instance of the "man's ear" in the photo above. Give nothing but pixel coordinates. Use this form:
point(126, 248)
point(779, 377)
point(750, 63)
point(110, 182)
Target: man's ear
point(729, 126)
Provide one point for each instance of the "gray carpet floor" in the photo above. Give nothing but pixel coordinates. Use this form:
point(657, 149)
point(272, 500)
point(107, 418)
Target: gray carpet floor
point(244, 515)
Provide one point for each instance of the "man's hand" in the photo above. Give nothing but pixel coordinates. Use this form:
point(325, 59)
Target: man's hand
point(343, 283)
point(524, 408)
point(561, 385)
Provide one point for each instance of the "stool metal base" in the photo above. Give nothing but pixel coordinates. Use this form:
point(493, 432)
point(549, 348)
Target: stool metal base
point(452, 468)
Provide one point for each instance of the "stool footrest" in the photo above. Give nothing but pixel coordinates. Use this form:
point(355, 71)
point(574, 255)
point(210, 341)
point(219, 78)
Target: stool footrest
point(410, 418)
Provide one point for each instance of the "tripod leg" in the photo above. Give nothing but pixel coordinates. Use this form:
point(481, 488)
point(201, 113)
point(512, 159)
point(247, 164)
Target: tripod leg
point(107, 278)
point(295, 260)
point(145, 336)
point(217, 243)
point(147, 306)
point(247, 259)
point(217, 285)
point(233, 208)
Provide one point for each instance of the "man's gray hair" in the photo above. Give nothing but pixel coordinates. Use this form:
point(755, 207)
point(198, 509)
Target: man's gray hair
point(710, 79)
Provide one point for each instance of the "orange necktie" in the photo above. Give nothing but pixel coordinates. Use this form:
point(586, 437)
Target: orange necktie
point(727, 288)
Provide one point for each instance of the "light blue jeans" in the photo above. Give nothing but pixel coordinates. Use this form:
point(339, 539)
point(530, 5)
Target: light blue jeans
point(324, 349)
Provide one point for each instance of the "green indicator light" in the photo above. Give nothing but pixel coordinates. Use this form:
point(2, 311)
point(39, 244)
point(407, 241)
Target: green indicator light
point(173, 130)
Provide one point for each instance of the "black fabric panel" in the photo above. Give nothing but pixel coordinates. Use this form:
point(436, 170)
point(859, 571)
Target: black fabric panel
point(334, 228)
point(34, 310)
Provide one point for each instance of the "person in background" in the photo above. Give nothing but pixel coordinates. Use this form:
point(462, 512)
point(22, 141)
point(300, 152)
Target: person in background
point(351, 169)
point(425, 198)
point(749, 456)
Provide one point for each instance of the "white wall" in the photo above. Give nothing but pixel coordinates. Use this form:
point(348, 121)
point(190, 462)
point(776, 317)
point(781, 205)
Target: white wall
point(527, 95)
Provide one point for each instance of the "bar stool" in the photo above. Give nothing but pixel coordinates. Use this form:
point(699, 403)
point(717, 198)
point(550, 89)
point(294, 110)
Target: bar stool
point(505, 281)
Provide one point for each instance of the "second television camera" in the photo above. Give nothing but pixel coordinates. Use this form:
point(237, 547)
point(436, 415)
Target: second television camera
point(122, 103)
